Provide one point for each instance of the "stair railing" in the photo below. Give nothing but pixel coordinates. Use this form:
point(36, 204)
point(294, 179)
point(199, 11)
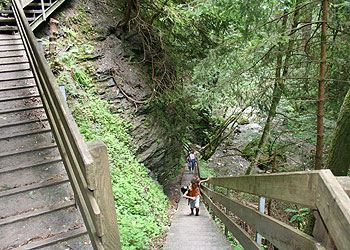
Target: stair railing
point(86, 164)
point(43, 9)
point(317, 190)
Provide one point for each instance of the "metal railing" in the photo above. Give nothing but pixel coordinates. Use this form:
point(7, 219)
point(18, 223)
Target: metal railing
point(318, 190)
point(86, 164)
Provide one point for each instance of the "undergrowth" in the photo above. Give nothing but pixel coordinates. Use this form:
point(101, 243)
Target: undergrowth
point(140, 203)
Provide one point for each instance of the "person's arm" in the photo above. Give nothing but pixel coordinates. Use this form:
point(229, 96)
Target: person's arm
point(208, 179)
point(188, 197)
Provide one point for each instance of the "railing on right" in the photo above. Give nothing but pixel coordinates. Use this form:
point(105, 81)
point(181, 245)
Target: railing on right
point(319, 190)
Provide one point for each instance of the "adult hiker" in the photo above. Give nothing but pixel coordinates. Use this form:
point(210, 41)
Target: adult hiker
point(191, 160)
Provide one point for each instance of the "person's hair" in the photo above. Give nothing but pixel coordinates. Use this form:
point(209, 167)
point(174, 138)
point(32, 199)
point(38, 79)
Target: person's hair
point(195, 179)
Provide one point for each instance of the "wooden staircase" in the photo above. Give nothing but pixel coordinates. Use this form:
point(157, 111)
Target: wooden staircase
point(37, 206)
point(36, 11)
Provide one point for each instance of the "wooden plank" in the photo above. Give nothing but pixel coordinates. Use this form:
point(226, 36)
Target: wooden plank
point(11, 47)
point(345, 183)
point(10, 41)
point(6, 111)
point(33, 187)
point(278, 233)
point(14, 67)
point(9, 37)
point(13, 60)
point(333, 205)
point(55, 239)
point(104, 195)
point(296, 187)
point(242, 236)
point(37, 212)
point(8, 76)
point(5, 54)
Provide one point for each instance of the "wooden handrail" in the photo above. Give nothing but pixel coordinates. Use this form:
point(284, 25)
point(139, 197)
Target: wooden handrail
point(94, 199)
point(318, 190)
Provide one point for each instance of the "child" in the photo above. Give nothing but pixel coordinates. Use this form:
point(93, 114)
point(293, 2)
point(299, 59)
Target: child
point(191, 160)
point(193, 193)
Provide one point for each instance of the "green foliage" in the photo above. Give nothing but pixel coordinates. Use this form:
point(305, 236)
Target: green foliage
point(4, 4)
point(299, 216)
point(140, 203)
point(205, 170)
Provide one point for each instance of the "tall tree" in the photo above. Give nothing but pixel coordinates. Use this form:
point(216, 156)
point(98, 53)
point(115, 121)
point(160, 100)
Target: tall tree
point(320, 112)
point(339, 156)
point(280, 73)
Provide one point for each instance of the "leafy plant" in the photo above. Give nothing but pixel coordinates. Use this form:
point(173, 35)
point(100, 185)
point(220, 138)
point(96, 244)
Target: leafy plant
point(299, 216)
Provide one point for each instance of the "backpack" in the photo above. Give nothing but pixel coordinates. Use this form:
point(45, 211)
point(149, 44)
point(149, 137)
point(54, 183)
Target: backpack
point(184, 189)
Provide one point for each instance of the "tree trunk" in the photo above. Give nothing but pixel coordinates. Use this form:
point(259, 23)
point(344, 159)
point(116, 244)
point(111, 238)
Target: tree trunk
point(319, 144)
point(277, 91)
point(339, 156)
point(129, 6)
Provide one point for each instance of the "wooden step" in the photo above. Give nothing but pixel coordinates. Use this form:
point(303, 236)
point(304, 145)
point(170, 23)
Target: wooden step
point(30, 101)
point(23, 109)
point(22, 117)
point(17, 82)
point(28, 157)
point(8, 28)
point(20, 66)
point(38, 5)
point(11, 47)
point(24, 177)
point(10, 41)
point(40, 227)
point(13, 60)
point(11, 19)
point(37, 131)
point(15, 75)
point(26, 141)
point(25, 122)
point(37, 212)
point(44, 162)
point(15, 98)
point(9, 37)
point(6, 54)
point(72, 239)
point(35, 186)
point(12, 88)
point(36, 197)
point(29, 11)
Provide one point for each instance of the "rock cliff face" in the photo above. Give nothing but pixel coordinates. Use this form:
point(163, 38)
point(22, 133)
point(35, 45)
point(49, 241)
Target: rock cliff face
point(121, 81)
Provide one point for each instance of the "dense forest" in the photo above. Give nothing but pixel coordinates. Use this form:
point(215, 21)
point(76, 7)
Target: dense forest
point(285, 61)
point(212, 66)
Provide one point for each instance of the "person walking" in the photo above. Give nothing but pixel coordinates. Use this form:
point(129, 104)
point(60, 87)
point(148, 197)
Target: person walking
point(191, 160)
point(193, 193)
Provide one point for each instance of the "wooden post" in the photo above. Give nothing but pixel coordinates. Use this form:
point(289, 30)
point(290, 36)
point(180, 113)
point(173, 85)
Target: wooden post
point(214, 188)
point(321, 234)
point(53, 35)
point(227, 211)
point(262, 210)
point(104, 195)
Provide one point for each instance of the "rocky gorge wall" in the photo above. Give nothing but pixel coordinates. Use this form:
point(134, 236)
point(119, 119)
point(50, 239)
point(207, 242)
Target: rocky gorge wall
point(121, 81)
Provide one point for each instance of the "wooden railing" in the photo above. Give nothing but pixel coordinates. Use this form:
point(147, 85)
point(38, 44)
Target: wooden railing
point(45, 12)
point(317, 190)
point(86, 164)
